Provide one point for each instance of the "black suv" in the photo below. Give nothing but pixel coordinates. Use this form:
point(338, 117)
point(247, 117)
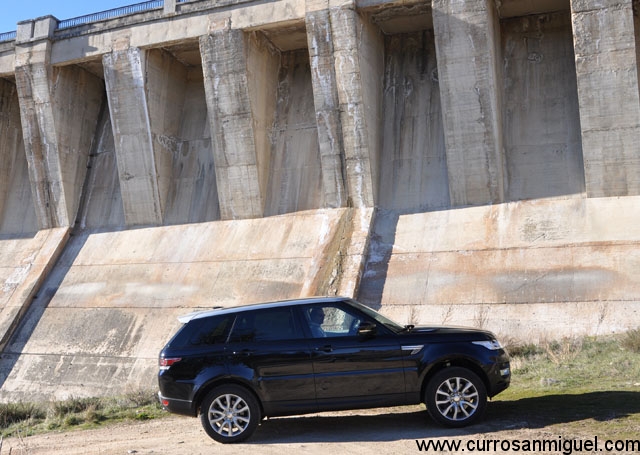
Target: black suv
point(235, 366)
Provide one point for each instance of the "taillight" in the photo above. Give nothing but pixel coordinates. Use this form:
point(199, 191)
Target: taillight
point(166, 362)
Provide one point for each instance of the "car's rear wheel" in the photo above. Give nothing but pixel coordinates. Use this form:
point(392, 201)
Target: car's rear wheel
point(455, 397)
point(230, 413)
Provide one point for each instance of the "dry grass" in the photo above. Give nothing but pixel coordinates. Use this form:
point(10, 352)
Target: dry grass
point(24, 419)
point(631, 341)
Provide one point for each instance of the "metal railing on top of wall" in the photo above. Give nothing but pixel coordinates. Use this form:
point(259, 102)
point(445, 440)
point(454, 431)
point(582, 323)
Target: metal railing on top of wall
point(110, 14)
point(100, 16)
point(7, 36)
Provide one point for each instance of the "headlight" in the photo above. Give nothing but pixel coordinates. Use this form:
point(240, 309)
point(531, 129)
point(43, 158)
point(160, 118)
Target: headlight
point(492, 345)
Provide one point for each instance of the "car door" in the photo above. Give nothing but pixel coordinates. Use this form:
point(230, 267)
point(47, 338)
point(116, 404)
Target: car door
point(352, 370)
point(268, 349)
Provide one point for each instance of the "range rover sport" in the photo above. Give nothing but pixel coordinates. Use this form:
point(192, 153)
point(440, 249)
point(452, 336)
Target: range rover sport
point(234, 366)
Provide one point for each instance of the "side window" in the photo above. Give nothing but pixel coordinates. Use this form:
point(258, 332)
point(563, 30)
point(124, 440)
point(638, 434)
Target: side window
point(203, 331)
point(331, 321)
point(273, 324)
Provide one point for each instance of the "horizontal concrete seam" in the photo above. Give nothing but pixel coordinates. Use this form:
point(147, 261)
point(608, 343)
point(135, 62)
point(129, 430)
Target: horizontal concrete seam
point(617, 7)
point(515, 248)
point(631, 128)
point(147, 263)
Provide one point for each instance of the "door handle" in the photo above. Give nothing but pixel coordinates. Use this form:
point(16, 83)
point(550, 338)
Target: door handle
point(325, 348)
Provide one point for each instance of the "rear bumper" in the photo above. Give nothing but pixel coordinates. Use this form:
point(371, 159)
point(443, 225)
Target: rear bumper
point(183, 407)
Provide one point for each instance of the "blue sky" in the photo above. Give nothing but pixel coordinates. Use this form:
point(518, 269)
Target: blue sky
point(14, 11)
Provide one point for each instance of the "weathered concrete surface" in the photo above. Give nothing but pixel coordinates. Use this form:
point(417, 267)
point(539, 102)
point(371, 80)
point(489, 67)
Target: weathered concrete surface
point(607, 75)
point(242, 158)
point(17, 214)
point(7, 60)
point(24, 264)
point(467, 42)
point(357, 55)
point(234, 109)
point(141, 166)
point(413, 164)
point(326, 103)
point(112, 301)
point(59, 109)
point(101, 205)
point(535, 269)
point(148, 29)
point(541, 119)
point(193, 191)
point(295, 175)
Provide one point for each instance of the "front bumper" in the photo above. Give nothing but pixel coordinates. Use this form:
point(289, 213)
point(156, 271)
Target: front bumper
point(500, 376)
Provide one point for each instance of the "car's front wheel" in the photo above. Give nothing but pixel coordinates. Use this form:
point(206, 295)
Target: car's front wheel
point(455, 397)
point(230, 413)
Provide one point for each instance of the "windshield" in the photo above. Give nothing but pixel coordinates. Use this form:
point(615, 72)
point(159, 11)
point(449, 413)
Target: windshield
point(394, 326)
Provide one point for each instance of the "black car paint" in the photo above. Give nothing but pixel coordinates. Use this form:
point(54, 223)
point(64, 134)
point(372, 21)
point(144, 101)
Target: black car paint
point(307, 375)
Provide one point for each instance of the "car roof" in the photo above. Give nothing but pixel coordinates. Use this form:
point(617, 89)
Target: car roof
point(257, 306)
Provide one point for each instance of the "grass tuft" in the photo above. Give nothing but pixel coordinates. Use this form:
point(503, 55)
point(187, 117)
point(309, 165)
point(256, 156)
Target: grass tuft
point(74, 405)
point(631, 341)
point(11, 413)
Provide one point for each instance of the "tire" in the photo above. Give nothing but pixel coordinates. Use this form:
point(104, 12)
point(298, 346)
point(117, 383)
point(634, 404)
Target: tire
point(230, 413)
point(456, 397)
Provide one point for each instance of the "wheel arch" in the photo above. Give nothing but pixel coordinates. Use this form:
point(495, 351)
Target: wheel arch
point(209, 386)
point(453, 362)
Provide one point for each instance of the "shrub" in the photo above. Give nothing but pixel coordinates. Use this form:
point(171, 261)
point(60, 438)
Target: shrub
point(141, 398)
point(11, 413)
point(75, 405)
point(631, 341)
point(563, 351)
point(523, 350)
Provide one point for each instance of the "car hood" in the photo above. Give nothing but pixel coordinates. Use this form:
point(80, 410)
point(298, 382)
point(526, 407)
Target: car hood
point(451, 333)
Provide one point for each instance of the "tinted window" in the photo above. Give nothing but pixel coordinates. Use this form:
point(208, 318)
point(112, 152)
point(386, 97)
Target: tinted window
point(203, 331)
point(331, 321)
point(265, 325)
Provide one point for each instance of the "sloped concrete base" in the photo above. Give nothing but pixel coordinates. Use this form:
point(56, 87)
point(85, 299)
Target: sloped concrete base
point(24, 264)
point(530, 270)
point(113, 299)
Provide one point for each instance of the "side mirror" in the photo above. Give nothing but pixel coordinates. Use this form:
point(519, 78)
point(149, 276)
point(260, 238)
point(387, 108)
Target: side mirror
point(367, 329)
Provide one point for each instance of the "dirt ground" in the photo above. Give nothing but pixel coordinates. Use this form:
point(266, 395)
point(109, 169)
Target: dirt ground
point(379, 431)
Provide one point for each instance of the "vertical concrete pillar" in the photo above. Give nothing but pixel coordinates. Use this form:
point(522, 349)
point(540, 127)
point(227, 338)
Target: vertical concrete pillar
point(165, 88)
point(59, 109)
point(358, 58)
point(608, 94)
point(146, 91)
point(467, 48)
point(325, 98)
point(33, 51)
point(241, 159)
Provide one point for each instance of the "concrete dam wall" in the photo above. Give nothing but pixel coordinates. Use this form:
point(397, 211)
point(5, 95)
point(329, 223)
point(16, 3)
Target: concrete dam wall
point(448, 161)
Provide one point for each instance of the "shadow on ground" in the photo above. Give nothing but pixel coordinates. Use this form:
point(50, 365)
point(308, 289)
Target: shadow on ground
point(413, 422)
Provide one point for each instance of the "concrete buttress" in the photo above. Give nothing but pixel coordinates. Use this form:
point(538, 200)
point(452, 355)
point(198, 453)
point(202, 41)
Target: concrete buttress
point(238, 125)
point(358, 55)
point(467, 40)
point(143, 91)
point(607, 75)
point(59, 110)
point(325, 96)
